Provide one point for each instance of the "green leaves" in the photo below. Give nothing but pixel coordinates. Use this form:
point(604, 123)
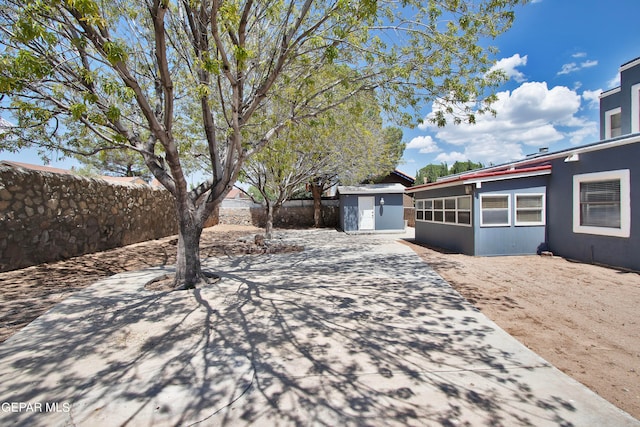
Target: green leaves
point(77, 111)
point(88, 10)
point(116, 51)
point(21, 68)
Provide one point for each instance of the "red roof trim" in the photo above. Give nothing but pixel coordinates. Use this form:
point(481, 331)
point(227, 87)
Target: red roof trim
point(480, 175)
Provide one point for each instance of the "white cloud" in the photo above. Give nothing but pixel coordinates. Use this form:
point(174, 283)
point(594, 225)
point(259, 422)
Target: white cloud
point(572, 67)
point(592, 97)
point(451, 158)
point(533, 115)
point(584, 133)
point(579, 55)
point(508, 65)
point(425, 144)
point(569, 68)
point(614, 82)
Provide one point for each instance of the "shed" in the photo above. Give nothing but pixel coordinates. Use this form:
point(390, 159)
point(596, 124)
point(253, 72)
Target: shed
point(371, 208)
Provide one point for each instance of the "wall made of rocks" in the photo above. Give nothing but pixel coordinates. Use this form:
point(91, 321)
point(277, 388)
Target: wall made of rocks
point(293, 214)
point(47, 216)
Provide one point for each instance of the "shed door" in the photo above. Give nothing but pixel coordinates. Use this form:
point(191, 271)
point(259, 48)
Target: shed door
point(366, 213)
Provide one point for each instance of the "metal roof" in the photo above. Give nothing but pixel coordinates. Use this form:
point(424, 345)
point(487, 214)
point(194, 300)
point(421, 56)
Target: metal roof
point(475, 177)
point(371, 189)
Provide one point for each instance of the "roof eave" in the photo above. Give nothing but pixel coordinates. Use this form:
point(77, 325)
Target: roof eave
point(474, 178)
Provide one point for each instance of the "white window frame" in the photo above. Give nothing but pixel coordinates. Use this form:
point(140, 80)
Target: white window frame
point(607, 121)
point(625, 203)
point(441, 200)
point(508, 196)
point(635, 108)
point(542, 209)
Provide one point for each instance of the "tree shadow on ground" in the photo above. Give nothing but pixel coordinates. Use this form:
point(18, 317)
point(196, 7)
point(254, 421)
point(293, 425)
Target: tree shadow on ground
point(29, 292)
point(328, 336)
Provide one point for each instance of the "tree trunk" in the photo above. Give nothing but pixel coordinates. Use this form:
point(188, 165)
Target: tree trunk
point(268, 228)
point(188, 269)
point(316, 191)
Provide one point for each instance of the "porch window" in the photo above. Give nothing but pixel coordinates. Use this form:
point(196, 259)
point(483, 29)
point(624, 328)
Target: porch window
point(438, 210)
point(419, 210)
point(428, 210)
point(494, 210)
point(449, 210)
point(601, 203)
point(530, 209)
point(464, 210)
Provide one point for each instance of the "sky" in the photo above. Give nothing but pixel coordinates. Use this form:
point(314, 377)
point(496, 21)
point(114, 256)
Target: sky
point(559, 55)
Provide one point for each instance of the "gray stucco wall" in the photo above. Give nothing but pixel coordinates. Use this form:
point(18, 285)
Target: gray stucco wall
point(622, 99)
point(607, 103)
point(455, 238)
point(348, 212)
point(512, 239)
point(391, 215)
point(614, 251)
point(387, 217)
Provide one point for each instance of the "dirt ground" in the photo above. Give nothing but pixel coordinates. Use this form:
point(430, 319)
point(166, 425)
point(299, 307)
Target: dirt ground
point(581, 318)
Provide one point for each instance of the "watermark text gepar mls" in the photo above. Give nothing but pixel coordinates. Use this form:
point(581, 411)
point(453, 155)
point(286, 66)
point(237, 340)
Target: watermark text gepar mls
point(35, 407)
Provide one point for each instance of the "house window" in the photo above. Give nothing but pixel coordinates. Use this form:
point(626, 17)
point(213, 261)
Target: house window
point(530, 209)
point(613, 123)
point(494, 210)
point(449, 210)
point(602, 203)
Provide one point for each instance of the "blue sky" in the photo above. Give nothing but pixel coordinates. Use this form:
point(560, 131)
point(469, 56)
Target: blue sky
point(559, 55)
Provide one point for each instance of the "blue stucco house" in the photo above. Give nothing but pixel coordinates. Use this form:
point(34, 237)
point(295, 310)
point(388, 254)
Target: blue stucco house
point(581, 203)
point(371, 208)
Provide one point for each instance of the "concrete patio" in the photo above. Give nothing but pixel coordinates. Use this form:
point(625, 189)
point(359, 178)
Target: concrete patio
point(353, 331)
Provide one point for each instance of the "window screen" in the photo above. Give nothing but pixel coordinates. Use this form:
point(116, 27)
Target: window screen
point(600, 203)
point(529, 209)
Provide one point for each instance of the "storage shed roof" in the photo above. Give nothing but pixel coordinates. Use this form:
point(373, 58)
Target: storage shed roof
point(372, 189)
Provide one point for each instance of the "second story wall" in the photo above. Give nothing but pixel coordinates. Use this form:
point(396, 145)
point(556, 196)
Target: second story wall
point(620, 107)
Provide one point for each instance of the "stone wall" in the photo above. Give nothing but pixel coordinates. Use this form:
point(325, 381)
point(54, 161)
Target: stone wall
point(293, 214)
point(48, 216)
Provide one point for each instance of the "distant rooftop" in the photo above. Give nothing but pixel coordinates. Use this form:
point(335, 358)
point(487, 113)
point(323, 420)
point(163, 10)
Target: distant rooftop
point(122, 180)
point(41, 168)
